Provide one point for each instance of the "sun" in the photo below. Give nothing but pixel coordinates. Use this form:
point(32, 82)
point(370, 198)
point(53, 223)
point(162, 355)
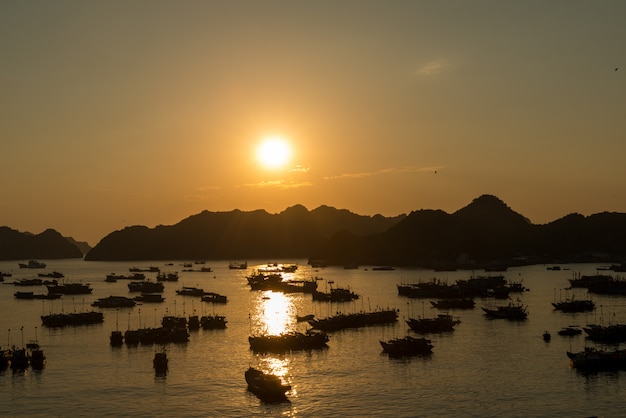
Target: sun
point(273, 152)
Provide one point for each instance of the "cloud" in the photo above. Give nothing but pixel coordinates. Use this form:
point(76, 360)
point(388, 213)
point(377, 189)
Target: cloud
point(432, 68)
point(279, 184)
point(383, 171)
point(299, 169)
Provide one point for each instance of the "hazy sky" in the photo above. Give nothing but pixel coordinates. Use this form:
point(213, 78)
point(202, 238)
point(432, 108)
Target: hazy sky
point(118, 113)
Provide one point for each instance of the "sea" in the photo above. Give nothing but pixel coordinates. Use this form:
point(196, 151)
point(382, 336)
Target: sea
point(484, 368)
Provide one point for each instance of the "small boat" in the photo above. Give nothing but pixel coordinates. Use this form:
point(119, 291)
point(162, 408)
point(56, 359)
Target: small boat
point(70, 289)
point(160, 362)
point(234, 265)
point(546, 336)
point(407, 346)
point(511, 312)
point(116, 338)
point(214, 298)
point(441, 323)
point(190, 291)
point(53, 275)
point(36, 357)
point(593, 360)
point(266, 387)
point(114, 302)
point(213, 322)
point(574, 305)
point(292, 341)
point(570, 331)
point(32, 264)
point(167, 277)
point(150, 298)
point(32, 295)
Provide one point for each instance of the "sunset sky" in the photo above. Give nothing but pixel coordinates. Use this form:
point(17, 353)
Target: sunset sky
point(119, 113)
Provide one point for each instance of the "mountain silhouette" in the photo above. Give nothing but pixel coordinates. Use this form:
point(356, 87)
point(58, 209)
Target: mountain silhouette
point(50, 244)
point(293, 233)
point(486, 232)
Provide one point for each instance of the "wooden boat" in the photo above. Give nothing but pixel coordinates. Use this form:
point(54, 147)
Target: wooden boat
point(574, 305)
point(234, 265)
point(292, 341)
point(265, 386)
point(356, 320)
point(70, 289)
point(598, 360)
point(32, 264)
point(214, 298)
point(441, 323)
point(510, 312)
point(160, 362)
point(407, 346)
point(570, 331)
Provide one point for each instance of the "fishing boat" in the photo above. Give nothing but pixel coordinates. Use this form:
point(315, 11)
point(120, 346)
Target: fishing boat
point(574, 305)
point(407, 346)
point(32, 295)
point(160, 362)
point(114, 302)
point(570, 331)
point(592, 359)
point(356, 320)
point(265, 386)
point(213, 322)
point(440, 323)
point(32, 264)
point(70, 289)
point(214, 298)
point(36, 356)
point(235, 265)
point(511, 312)
point(116, 339)
point(292, 341)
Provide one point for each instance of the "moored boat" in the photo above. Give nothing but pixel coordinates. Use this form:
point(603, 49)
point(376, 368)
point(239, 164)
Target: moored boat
point(292, 341)
point(598, 360)
point(574, 305)
point(32, 264)
point(160, 362)
point(570, 331)
point(265, 386)
point(70, 289)
point(356, 320)
point(407, 346)
point(511, 312)
point(440, 323)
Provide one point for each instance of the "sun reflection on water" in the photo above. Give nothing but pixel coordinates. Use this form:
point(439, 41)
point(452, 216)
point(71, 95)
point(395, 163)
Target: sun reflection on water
point(274, 314)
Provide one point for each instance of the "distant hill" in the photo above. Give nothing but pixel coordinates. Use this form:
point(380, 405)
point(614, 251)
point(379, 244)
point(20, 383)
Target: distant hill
point(83, 246)
point(50, 244)
point(484, 233)
point(293, 233)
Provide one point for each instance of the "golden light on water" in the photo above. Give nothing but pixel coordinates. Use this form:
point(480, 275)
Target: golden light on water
point(276, 313)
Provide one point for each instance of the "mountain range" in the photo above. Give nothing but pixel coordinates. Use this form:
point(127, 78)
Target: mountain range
point(484, 233)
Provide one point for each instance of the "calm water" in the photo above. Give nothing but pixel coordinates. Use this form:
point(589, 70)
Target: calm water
point(486, 368)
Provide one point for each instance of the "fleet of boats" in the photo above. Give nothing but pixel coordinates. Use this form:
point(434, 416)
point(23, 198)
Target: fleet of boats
point(268, 387)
